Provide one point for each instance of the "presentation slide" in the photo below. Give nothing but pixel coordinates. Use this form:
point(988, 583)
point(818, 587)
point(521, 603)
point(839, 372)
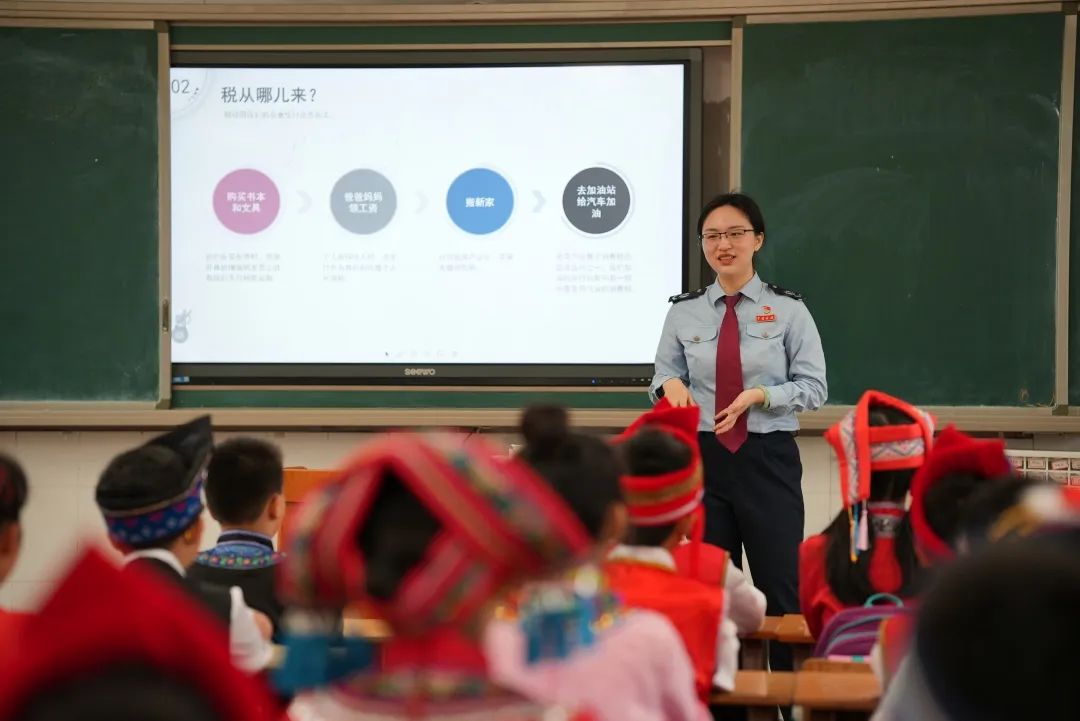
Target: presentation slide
point(494, 215)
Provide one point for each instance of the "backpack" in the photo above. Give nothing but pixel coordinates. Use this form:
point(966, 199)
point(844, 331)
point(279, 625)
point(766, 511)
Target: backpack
point(854, 631)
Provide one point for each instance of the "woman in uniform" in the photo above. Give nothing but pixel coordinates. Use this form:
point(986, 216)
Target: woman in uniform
point(748, 353)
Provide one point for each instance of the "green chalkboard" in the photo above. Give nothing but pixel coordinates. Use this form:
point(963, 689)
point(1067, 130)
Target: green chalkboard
point(78, 215)
point(908, 175)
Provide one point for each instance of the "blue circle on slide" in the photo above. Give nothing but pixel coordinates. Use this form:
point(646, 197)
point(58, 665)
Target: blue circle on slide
point(480, 201)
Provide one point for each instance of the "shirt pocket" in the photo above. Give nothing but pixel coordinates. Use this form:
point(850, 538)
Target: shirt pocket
point(764, 358)
point(699, 347)
point(766, 332)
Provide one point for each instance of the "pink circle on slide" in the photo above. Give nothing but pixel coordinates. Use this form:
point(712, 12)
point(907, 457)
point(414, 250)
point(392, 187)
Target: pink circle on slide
point(246, 201)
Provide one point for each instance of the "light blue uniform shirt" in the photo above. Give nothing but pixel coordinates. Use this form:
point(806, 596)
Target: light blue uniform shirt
point(778, 342)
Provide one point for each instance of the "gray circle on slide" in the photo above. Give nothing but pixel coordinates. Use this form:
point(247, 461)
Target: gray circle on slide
point(363, 201)
point(596, 200)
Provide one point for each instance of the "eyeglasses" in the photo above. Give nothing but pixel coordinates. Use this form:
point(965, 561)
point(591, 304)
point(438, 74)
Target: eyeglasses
point(733, 235)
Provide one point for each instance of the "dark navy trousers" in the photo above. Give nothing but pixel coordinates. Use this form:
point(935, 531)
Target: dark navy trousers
point(753, 499)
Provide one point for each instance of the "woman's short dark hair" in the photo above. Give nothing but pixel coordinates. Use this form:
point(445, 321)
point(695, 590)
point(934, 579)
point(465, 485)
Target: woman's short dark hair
point(741, 202)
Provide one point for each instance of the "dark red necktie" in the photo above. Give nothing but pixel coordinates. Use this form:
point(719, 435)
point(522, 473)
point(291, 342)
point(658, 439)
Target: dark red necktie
point(729, 380)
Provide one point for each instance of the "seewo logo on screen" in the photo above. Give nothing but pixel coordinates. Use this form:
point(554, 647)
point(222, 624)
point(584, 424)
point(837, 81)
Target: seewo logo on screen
point(419, 371)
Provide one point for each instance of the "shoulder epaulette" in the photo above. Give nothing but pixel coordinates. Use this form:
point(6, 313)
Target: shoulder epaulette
point(784, 291)
point(687, 295)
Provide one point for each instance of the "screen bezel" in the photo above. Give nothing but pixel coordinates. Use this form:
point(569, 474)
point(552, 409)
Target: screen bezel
point(498, 374)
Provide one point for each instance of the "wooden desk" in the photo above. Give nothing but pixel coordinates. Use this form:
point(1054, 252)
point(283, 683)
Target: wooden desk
point(823, 664)
point(759, 692)
point(754, 647)
point(822, 694)
point(793, 630)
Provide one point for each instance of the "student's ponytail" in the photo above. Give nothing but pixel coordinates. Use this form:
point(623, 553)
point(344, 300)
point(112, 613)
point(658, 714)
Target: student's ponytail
point(582, 469)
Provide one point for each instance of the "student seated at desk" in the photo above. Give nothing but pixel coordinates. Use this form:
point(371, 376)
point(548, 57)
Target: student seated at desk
point(627, 664)
point(956, 470)
point(429, 532)
point(958, 466)
point(244, 495)
point(151, 500)
point(708, 563)
point(745, 603)
point(868, 548)
point(663, 492)
point(996, 638)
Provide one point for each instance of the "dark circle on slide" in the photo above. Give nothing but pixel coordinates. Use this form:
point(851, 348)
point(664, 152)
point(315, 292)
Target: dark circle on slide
point(363, 201)
point(586, 200)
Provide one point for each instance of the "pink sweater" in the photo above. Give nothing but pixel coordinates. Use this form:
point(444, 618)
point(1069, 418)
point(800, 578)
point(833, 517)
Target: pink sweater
point(637, 671)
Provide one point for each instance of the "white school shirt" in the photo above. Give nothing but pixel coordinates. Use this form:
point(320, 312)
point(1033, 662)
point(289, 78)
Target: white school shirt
point(747, 603)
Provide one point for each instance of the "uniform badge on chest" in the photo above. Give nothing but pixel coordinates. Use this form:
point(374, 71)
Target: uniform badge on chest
point(766, 315)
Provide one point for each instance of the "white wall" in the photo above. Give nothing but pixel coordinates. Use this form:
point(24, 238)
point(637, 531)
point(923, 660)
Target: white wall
point(63, 467)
